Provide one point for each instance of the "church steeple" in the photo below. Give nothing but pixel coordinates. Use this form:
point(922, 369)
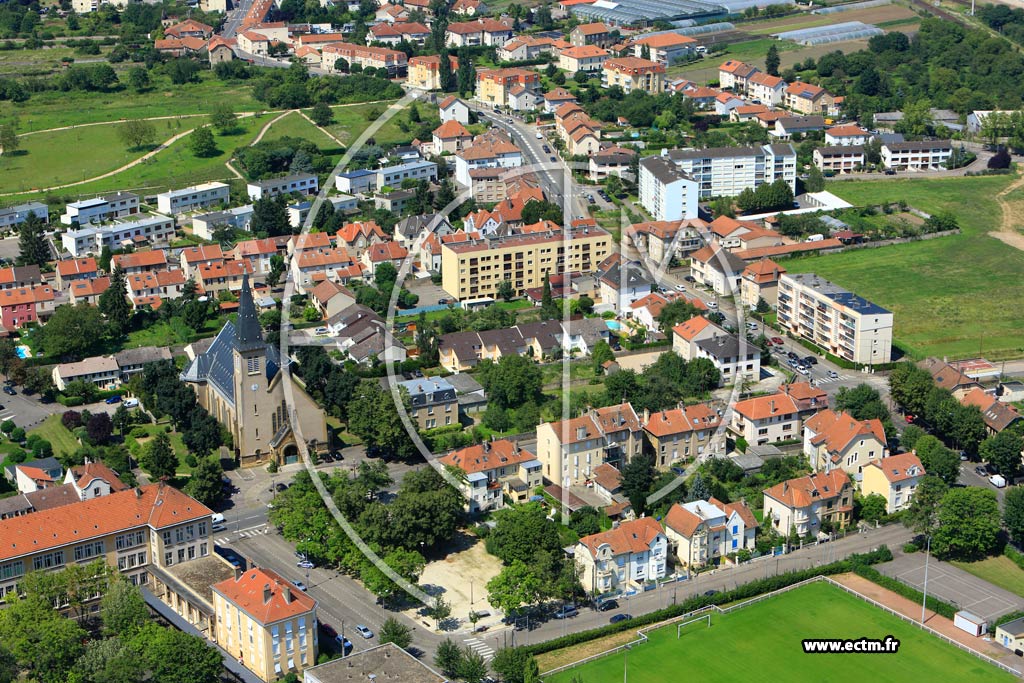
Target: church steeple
point(248, 334)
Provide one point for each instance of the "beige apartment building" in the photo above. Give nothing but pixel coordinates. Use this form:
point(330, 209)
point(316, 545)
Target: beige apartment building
point(839, 321)
point(425, 71)
point(474, 269)
point(683, 434)
point(838, 441)
point(570, 450)
point(265, 621)
point(493, 470)
point(633, 73)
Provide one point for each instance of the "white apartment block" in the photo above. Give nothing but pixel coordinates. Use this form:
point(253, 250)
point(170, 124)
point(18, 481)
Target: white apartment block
point(16, 215)
point(666, 192)
point(303, 183)
point(727, 171)
point(624, 557)
point(842, 323)
point(416, 170)
point(839, 158)
point(923, 155)
point(92, 238)
point(101, 209)
point(188, 199)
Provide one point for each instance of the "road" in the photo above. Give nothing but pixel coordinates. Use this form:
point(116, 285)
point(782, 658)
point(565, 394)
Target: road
point(234, 18)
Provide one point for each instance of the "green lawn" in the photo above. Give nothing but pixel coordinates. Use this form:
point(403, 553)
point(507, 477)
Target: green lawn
point(136, 445)
point(174, 331)
point(47, 110)
point(351, 121)
point(295, 126)
point(62, 440)
point(763, 642)
point(953, 296)
point(1000, 571)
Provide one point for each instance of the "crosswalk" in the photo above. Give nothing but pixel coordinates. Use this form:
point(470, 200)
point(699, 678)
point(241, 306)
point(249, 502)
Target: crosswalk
point(481, 648)
point(247, 533)
point(827, 380)
point(8, 416)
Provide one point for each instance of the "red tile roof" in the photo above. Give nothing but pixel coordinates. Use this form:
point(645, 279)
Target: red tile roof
point(487, 456)
point(800, 492)
point(629, 537)
point(141, 259)
point(265, 596)
point(78, 266)
point(898, 467)
point(206, 252)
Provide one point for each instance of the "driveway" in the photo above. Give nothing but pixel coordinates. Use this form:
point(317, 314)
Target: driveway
point(953, 585)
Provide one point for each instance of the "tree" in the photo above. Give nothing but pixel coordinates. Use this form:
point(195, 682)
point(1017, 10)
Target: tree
point(9, 141)
point(514, 664)
point(202, 144)
point(520, 532)
point(448, 657)
point(114, 302)
point(505, 290)
point(922, 515)
point(968, 523)
point(872, 508)
point(472, 668)
point(269, 217)
point(32, 247)
point(772, 61)
point(698, 489)
point(205, 484)
point(511, 382)
point(322, 114)
point(372, 417)
point(516, 585)
point(109, 660)
point(138, 78)
point(394, 631)
point(136, 133)
point(938, 460)
point(585, 521)
point(158, 457)
point(122, 609)
point(466, 73)
point(40, 639)
point(601, 354)
point(1002, 451)
point(73, 331)
point(637, 477)
point(815, 180)
point(439, 611)
point(173, 656)
point(863, 402)
point(223, 118)
point(98, 429)
point(1001, 159)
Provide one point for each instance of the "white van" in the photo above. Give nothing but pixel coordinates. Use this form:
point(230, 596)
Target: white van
point(218, 522)
point(815, 238)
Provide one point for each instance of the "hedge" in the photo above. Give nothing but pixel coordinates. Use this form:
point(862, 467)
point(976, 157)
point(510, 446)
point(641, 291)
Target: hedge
point(841, 362)
point(938, 606)
point(1014, 555)
point(744, 592)
point(1005, 619)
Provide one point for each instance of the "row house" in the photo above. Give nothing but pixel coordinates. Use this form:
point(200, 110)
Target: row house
point(847, 135)
point(301, 183)
point(24, 305)
point(141, 261)
point(14, 277)
point(309, 241)
point(100, 371)
point(237, 218)
point(921, 155)
point(151, 289)
point(494, 470)
point(214, 278)
point(313, 266)
point(704, 532)
point(152, 230)
point(187, 199)
point(75, 270)
point(101, 209)
point(839, 158)
point(359, 236)
point(193, 257)
point(12, 216)
point(88, 291)
point(400, 31)
point(259, 253)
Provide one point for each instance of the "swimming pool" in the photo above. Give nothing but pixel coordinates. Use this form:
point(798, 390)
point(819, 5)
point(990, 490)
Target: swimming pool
point(613, 325)
point(23, 351)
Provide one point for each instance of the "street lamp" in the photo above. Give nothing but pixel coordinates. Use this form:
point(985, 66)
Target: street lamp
point(927, 554)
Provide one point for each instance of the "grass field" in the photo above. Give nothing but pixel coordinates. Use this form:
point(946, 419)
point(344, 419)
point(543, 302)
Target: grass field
point(1000, 571)
point(295, 126)
point(765, 638)
point(138, 444)
point(351, 121)
point(62, 440)
point(954, 296)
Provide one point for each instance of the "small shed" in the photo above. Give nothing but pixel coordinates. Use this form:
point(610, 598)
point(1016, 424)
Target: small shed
point(971, 623)
point(1011, 635)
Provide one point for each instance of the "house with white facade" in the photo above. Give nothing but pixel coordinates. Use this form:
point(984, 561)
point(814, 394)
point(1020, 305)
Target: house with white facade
point(704, 532)
point(494, 470)
point(187, 199)
point(628, 556)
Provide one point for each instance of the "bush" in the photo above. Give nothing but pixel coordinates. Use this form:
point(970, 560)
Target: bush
point(871, 574)
point(910, 548)
point(190, 460)
point(70, 401)
point(138, 433)
point(71, 419)
point(17, 435)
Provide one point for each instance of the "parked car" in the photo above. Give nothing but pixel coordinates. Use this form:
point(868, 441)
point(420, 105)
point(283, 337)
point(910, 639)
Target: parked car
point(620, 617)
point(792, 355)
point(540, 136)
point(113, 399)
point(9, 390)
point(811, 360)
point(566, 612)
point(608, 605)
point(301, 586)
point(680, 288)
point(711, 592)
point(305, 564)
point(690, 278)
point(442, 302)
point(890, 171)
point(832, 374)
point(547, 150)
point(363, 631)
point(131, 402)
point(712, 305)
point(777, 341)
point(345, 643)
point(981, 471)
point(320, 331)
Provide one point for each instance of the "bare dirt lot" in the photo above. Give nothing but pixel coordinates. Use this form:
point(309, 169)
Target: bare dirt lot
point(461, 579)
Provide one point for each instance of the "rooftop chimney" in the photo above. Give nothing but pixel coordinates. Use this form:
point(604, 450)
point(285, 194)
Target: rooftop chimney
point(771, 406)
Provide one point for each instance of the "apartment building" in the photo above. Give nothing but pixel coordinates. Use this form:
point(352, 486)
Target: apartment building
point(921, 155)
point(704, 532)
point(838, 441)
point(17, 214)
point(595, 33)
point(633, 73)
point(760, 280)
point(476, 268)
point(432, 402)
point(237, 217)
point(769, 90)
point(493, 470)
point(727, 171)
point(489, 152)
point(733, 74)
point(666, 191)
point(266, 622)
point(75, 270)
point(894, 478)
point(101, 209)
point(588, 58)
point(413, 170)
point(777, 417)
point(91, 239)
point(683, 434)
point(138, 531)
point(625, 557)
point(479, 32)
point(664, 48)
point(570, 450)
point(425, 71)
point(395, 61)
point(839, 158)
point(493, 86)
point(842, 323)
point(187, 199)
point(303, 183)
point(805, 503)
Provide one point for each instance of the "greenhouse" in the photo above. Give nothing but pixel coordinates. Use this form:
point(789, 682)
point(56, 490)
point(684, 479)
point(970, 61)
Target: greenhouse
point(705, 29)
point(855, 6)
point(820, 35)
point(644, 12)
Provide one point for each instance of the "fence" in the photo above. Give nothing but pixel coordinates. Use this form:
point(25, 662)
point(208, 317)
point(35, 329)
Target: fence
point(642, 633)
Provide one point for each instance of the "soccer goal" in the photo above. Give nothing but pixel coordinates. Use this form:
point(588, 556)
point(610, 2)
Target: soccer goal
point(695, 620)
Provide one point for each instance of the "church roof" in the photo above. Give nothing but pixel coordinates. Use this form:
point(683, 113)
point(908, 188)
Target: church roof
point(248, 334)
point(216, 365)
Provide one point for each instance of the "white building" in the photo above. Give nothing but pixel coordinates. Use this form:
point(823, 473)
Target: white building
point(842, 323)
point(238, 218)
point(16, 215)
point(737, 360)
point(191, 198)
point(839, 159)
point(666, 192)
point(92, 238)
point(493, 470)
point(101, 209)
point(624, 557)
point(484, 154)
point(303, 183)
point(703, 532)
point(727, 171)
point(416, 170)
point(802, 504)
point(922, 155)
point(102, 371)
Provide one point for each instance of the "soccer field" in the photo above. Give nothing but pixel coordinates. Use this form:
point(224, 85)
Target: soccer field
point(763, 642)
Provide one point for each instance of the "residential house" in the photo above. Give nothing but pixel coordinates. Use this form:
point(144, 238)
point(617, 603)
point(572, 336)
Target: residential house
point(133, 361)
point(807, 503)
point(214, 278)
point(950, 378)
point(571, 449)
point(301, 183)
point(19, 307)
point(704, 532)
point(469, 8)
point(152, 288)
point(99, 370)
point(760, 280)
point(595, 33)
point(726, 102)
point(524, 48)
point(221, 49)
point(788, 126)
point(383, 252)
point(765, 88)
point(313, 266)
point(75, 270)
point(364, 337)
point(88, 291)
point(15, 277)
point(309, 241)
point(612, 160)
point(623, 558)
point(848, 135)
point(479, 32)
point(735, 358)
point(734, 75)
point(493, 470)
point(683, 434)
point(622, 284)
point(718, 269)
point(996, 414)
point(330, 298)
point(452, 108)
point(451, 136)
point(193, 257)
point(554, 99)
point(393, 176)
point(254, 42)
point(895, 478)
point(19, 213)
point(93, 480)
point(767, 419)
point(633, 73)
point(838, 441)
point(391, 13)
point(685, 335)
point(807, 98)
point(921, 155)
point(587, 58)
point(140, 261)
point(432, 402)
point(238, 218)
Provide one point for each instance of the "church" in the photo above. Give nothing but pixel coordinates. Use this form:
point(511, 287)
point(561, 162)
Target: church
point(239, 381)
